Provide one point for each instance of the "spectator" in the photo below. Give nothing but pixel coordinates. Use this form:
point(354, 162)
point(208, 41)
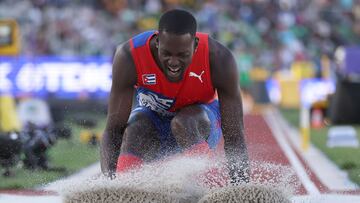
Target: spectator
point(266, 29)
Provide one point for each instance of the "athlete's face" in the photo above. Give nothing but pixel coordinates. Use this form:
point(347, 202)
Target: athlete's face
point(175, 54)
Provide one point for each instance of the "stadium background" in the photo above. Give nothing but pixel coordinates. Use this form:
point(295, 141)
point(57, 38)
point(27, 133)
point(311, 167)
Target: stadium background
point(280, 46)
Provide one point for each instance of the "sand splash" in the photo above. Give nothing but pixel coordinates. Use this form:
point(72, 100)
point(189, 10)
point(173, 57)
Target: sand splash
point(180, 180)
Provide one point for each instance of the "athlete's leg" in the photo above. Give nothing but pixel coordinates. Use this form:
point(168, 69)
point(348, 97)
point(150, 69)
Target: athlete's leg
point(190, 126)
point(198, 124)
point(197, 130)
point(140, 141)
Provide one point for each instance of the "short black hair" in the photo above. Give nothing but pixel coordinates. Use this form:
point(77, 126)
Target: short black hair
point(178, 22)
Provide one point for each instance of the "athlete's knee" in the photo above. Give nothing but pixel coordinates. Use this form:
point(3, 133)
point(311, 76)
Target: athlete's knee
point(190, 117)
point(138, 135)
point(190, 123)
point(138, 125)
point(181, 124)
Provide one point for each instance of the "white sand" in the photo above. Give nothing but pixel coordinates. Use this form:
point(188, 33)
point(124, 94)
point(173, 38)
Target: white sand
point(180, 179)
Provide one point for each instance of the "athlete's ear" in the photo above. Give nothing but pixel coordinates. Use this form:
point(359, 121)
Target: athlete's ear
point(196, 43)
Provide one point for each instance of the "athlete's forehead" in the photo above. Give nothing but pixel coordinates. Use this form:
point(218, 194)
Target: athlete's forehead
point(175, 42)
point(168, 36)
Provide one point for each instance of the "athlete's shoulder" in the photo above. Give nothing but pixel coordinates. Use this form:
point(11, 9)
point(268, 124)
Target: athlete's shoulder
point(141, 38)
point(218, 51)
point(123, 51)
point(123, 64)
point(222, 63)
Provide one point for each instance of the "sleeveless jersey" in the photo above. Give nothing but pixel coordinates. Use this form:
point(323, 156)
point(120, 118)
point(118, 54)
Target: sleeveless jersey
point(156, 92)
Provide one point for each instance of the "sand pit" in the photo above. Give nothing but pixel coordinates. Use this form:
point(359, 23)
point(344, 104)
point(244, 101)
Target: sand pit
point(229, 194)
point(177, 180)
point(245, 193)
point(125, 195)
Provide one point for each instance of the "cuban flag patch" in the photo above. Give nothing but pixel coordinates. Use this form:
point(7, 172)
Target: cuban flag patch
point(149, 79)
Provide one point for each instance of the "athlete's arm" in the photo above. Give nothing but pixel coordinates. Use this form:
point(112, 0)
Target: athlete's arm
point(225, 79)
point(119, 107)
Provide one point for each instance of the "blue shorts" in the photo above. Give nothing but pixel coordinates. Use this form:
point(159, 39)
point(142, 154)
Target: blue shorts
point(162, 125)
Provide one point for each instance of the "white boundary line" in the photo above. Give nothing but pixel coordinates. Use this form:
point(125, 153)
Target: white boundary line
point(290, 154)
point(327, 171)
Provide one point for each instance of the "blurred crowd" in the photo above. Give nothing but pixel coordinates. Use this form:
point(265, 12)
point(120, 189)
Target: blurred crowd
point(274, 32)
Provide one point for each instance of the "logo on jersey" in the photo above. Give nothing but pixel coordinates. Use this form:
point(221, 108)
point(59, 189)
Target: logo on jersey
point(149, 79)
point(192, 74)
point(154, 101)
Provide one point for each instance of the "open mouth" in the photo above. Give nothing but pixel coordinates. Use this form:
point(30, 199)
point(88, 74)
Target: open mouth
point(173, 71)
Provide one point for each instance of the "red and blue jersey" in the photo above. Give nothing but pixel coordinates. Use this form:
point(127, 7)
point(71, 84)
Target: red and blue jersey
point(157, 93)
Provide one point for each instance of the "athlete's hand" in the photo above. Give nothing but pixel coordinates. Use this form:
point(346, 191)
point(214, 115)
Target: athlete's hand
point(110, 175)
point(239, 173)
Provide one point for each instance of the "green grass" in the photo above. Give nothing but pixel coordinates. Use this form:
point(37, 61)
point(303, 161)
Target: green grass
point(292, 116)
point(346, 158)
point(71, 154)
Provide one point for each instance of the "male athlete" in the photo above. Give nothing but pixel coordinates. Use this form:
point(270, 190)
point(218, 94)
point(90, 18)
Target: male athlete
point(187, 99)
